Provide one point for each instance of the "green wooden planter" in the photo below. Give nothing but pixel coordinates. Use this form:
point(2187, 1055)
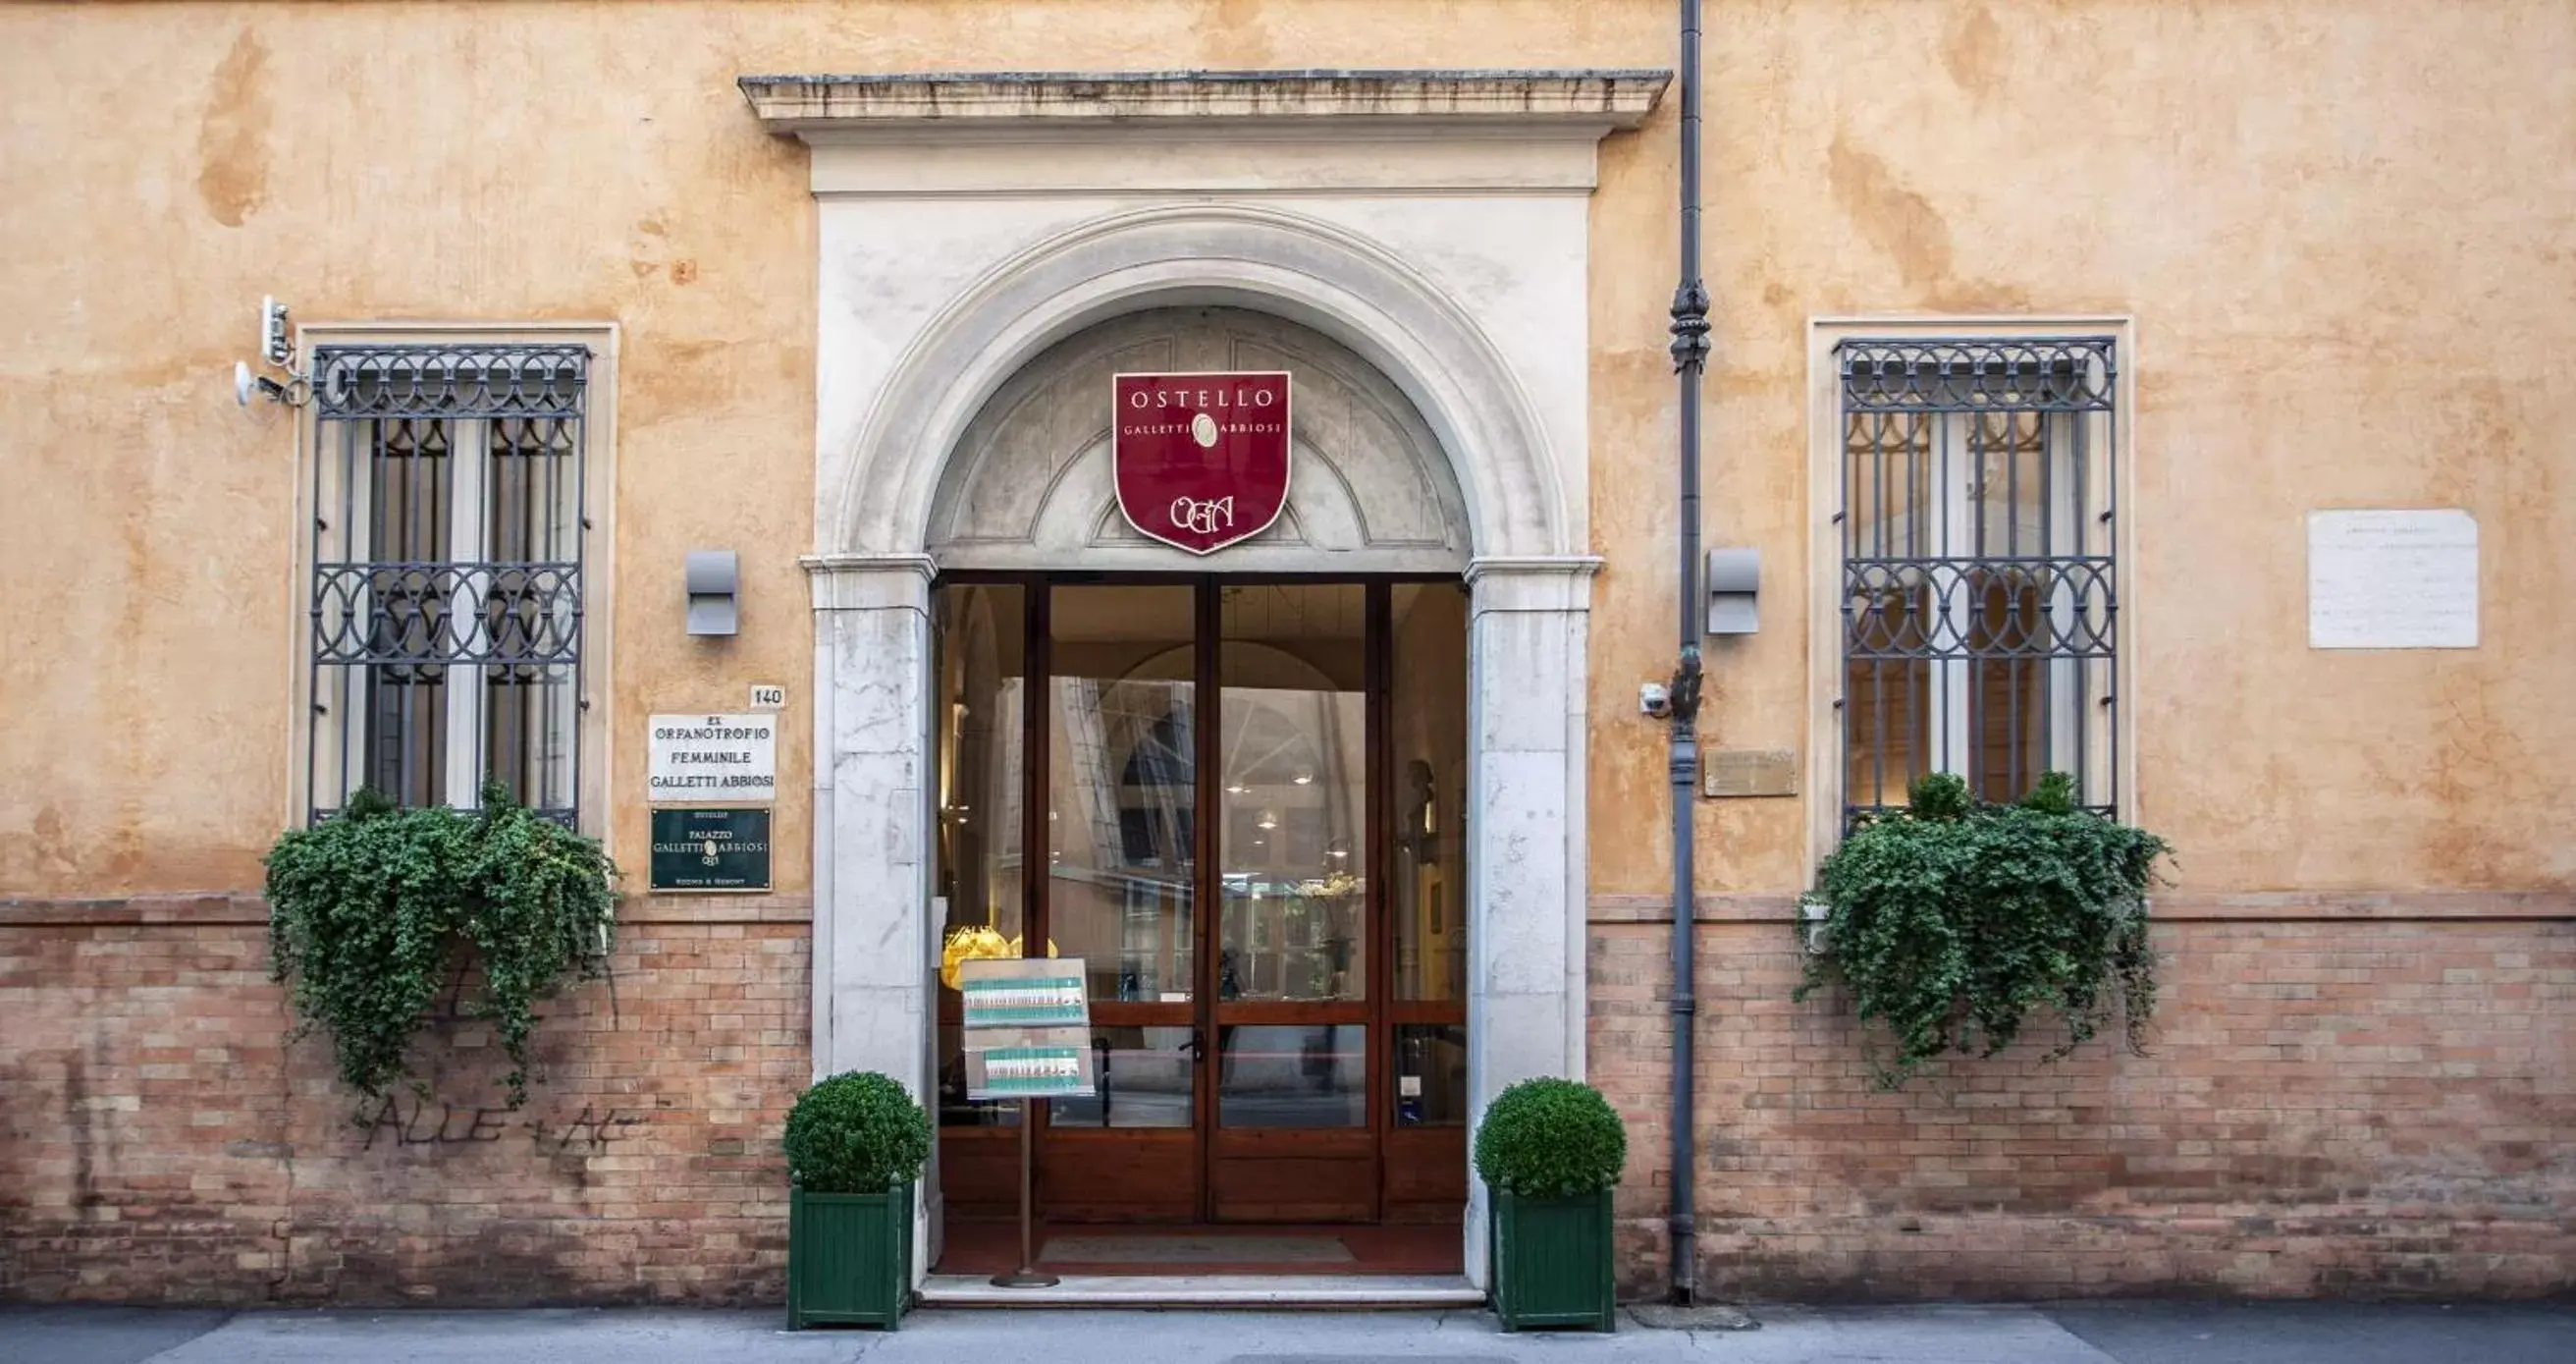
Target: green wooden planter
point(1549, 1263)
point(849, 1258)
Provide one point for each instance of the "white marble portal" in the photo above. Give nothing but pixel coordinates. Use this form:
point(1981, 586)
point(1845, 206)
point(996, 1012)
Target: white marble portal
point(1430, 229)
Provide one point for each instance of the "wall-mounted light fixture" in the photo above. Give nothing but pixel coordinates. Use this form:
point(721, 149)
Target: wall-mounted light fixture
point(713, 576)
point(1734, 582)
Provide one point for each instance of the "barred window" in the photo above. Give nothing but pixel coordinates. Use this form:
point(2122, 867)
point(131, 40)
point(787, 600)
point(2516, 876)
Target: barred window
point(447, 573)
point(1979, 586)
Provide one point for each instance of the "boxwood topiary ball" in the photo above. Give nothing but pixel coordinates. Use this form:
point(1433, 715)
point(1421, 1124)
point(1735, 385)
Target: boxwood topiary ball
point(1551, 1139)
point(857, 1132)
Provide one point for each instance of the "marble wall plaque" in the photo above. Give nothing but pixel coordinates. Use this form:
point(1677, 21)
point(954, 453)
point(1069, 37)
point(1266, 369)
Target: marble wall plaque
point(711, 758)
point(2392, 579)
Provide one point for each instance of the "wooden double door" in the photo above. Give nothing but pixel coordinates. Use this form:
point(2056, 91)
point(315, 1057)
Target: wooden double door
point(1242, 805)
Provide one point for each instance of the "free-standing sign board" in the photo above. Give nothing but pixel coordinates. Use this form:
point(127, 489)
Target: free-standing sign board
point(1200, 460)
point(1027, 1027)
point(710, 849)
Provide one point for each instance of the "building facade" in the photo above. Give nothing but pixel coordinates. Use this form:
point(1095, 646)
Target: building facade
point(2149, 392)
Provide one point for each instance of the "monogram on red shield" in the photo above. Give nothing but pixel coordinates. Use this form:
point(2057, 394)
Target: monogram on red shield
point(1202, 517)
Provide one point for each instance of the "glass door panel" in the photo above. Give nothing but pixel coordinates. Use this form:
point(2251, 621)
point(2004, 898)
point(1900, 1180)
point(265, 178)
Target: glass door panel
point(1120, 723)
point(1294, 1136)
point(1293, 1075)
point(1122, 788)
point(981, 633)
point(981, 671)
point(1148, 1078)
point(1425, 1148)
point(1428, 681)
point(1293, 860)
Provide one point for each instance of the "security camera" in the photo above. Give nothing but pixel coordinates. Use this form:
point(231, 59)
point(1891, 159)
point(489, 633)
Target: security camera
point(1655, 699)
point(248, 383)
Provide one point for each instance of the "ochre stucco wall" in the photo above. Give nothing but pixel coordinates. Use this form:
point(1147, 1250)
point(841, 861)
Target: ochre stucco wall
point(171, 164)
point(2341, 228)
point(2329, 220)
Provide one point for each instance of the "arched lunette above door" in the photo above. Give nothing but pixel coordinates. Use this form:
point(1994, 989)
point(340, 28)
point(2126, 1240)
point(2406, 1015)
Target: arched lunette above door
point(1518, 463)
point(1029, 485)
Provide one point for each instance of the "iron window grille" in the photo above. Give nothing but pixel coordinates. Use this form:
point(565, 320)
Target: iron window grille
point(1977, 518)
point(446, 610)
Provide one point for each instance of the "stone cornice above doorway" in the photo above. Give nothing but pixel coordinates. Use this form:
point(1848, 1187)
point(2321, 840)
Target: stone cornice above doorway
point(1603, 98)
point(1186, 131)
point(845, 582)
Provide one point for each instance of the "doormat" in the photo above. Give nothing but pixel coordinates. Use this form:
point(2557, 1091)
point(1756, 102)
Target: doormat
point(1197, 1250)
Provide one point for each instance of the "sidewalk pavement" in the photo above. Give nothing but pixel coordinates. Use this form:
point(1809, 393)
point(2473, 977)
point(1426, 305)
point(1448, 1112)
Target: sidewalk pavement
point(2062, 1333)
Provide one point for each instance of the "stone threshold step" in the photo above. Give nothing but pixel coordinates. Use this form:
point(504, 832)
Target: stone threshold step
point(1380, 1291)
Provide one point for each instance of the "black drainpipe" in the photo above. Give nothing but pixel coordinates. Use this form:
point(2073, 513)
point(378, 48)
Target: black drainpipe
point(1690, 356)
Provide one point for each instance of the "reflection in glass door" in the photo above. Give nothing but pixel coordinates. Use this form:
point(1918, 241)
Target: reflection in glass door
point(1122, 788)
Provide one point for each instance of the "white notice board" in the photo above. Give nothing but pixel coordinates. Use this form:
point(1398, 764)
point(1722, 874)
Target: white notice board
point(713, 759)
point(2392, 579)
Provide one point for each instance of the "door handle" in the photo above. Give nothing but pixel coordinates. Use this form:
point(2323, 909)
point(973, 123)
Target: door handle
point(1196, 1044)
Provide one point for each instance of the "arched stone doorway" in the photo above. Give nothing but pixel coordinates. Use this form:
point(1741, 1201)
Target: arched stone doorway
point(1235, 788)
point(1451, 267)
point(1406, 363)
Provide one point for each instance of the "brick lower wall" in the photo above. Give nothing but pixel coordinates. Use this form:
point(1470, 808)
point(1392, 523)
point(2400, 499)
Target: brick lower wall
point(162, 1142)
point(2369, 1106)
point(2355, 1106)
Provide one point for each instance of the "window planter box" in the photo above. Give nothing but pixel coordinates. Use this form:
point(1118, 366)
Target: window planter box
point(849, 1258)
point(1550, 1262)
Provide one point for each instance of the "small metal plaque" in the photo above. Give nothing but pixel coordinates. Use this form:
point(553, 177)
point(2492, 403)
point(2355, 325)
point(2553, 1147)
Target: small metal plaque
point(710, 850)
point(1751, 772)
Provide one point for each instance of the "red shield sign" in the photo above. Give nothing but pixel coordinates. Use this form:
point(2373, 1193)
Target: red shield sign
point(1201, 459)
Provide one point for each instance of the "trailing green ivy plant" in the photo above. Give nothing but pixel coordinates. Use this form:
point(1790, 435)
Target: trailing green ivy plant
point(1952, 920)
point(373, 911)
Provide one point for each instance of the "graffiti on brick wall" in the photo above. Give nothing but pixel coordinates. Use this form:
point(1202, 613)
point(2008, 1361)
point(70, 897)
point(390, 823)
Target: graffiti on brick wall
point(588, 1131)
point(398, 1122)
